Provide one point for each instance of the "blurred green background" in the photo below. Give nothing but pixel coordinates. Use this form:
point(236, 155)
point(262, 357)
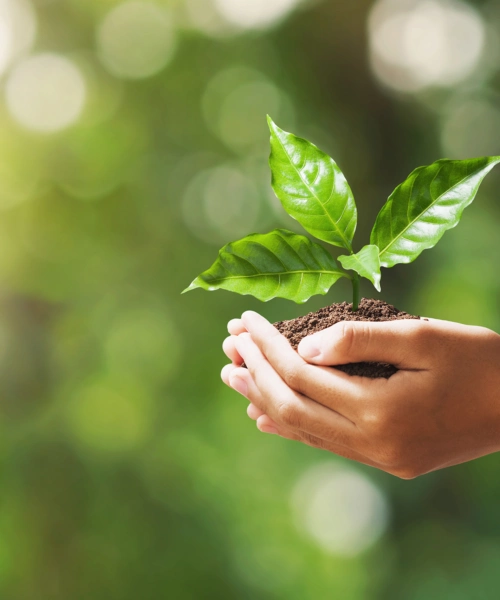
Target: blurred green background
point(133, 144)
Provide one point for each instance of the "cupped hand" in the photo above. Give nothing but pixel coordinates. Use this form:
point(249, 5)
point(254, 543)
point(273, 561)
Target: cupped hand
point(441, 408)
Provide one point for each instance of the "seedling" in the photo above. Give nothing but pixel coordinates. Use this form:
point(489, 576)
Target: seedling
point(313, 190)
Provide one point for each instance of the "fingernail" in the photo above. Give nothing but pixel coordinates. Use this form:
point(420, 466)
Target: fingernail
point(239, 385)
point(309, 347)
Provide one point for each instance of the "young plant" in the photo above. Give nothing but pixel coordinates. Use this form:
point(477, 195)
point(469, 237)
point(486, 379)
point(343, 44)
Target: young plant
point(313, 190)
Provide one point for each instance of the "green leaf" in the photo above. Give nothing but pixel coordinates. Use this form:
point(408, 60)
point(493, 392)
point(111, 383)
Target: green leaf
point(366, 263)
point(428, 203)
point(280, 264)
point(312, 188)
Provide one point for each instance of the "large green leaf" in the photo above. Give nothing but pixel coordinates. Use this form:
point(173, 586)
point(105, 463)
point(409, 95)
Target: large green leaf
point(428, 203)
point(366, 263)
point(312, 188)
point(280, 264)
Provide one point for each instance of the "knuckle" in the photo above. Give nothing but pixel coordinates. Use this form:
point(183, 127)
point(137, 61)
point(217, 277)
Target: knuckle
point(288, 414)
point(354, 336)
point(294, 376)
point(347, 335)
point(421, 332)
point(291, 376)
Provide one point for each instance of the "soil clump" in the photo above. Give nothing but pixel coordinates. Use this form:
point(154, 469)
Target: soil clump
point(369, 310)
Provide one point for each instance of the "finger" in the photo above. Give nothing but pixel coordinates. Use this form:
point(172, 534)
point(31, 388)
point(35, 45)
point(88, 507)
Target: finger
point(253, 412)
point(334, 448)
point(226, 372)
point(285, 406)
point(267, 425)
point(330, 387)
point(235, 327)
point(230, 350)
point(241, 384)
point(401, 343)
point(240, 380)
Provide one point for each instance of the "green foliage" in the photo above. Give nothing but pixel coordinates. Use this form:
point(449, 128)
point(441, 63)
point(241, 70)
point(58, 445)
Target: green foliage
point(314, 191)
point(279, 264)
point(366, 263)
point(423, 207)
point(311, 188)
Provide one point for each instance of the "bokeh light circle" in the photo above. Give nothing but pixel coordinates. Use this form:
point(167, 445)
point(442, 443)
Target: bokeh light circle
point(18, 27)
point(339, 508)
point(136, 40)
point(253, 99)
point(105, 93)
point(5, 43)
point(220, 204)
point(92, 163)
point(203, 16)
point(254, 14)
point(235, 103)
point(417, 44)
point(45, 93)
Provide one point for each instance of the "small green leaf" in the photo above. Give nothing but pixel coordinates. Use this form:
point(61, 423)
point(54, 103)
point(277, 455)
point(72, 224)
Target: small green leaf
point(366, 263)
point(427, 204)
point(312, 188)
point(280, 264)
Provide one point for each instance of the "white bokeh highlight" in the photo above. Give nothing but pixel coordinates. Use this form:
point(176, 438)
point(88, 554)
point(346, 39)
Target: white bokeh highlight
point(221, 204)
point(417, 44)
point(254, 14)
point(235, 103)
point(339, 508)
point(204, 17)
point(136, 40)
point(18, 27)
point(45, 93)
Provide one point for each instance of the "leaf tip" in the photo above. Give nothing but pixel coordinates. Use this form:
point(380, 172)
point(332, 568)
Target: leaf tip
point(192, 286)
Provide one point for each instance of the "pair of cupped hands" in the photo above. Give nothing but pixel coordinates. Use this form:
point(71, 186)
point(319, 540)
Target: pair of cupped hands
point(441, 408)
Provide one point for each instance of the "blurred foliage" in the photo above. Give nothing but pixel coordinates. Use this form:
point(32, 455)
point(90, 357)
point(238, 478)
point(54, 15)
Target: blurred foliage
point(128, 470)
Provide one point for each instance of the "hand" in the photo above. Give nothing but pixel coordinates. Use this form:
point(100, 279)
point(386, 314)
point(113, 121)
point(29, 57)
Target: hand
point(440, 409)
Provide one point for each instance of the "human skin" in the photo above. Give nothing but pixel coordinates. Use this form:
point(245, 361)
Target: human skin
point(440, 409)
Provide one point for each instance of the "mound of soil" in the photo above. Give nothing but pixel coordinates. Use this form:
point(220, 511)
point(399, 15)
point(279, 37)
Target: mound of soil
point(369, 310)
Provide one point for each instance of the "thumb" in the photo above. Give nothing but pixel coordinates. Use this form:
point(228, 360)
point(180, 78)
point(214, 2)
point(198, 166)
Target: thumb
point(400, 343)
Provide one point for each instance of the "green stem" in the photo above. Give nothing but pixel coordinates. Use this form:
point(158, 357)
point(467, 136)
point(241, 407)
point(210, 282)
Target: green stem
point(355, 292)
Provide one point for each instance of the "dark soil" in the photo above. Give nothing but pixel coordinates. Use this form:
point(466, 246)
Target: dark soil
point(369, 310)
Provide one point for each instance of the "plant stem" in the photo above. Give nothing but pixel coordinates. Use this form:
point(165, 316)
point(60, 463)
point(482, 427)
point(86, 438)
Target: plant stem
point(355, 292)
